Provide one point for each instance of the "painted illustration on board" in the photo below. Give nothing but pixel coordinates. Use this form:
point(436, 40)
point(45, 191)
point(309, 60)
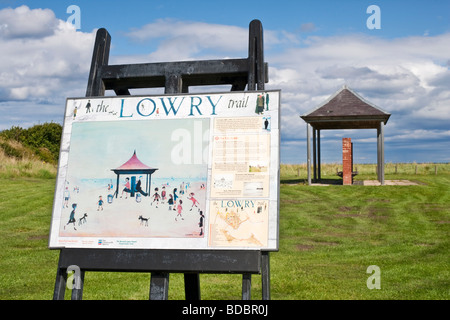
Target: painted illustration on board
point(136, 179)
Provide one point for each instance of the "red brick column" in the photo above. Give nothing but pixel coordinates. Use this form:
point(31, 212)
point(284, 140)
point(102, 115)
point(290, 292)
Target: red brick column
point(347, 161)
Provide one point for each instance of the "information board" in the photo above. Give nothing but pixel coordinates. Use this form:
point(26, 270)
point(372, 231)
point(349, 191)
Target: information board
point(187, 171)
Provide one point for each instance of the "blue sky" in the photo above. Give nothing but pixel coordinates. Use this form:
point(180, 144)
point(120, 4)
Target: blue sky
point(313, 48)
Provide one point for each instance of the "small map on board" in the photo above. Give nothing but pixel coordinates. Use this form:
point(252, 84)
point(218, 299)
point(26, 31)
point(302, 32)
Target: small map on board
point(239, 223)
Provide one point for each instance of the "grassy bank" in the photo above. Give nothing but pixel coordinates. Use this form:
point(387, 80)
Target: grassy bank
point(16, 161)
point(328, 238)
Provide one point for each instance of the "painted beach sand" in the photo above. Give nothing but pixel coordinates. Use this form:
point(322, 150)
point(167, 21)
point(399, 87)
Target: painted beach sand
point(138, 216)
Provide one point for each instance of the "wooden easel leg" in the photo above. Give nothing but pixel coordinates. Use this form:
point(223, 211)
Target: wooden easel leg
point(159, 286)
point(246, 286)
point(60, 284)
point(100, 57)
point(192, 286)
point(265, 275)
point(257, 72)
point(77, 290)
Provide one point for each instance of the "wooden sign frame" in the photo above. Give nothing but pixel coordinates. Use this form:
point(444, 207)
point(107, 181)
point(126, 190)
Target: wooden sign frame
point(175, 77)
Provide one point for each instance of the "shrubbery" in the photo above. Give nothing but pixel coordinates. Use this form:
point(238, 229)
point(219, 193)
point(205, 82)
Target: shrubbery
point(43, 139)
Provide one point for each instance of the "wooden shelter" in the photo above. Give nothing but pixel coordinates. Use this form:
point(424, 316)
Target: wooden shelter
point(344, 110)
point(134, 166)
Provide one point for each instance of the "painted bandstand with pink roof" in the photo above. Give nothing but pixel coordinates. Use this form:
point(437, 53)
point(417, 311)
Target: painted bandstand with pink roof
point(134, 167)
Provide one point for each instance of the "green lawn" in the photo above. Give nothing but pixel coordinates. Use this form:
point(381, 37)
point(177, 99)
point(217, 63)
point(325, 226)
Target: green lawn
point(328, 237)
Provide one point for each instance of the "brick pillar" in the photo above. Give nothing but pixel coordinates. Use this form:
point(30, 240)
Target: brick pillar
point(347, 161)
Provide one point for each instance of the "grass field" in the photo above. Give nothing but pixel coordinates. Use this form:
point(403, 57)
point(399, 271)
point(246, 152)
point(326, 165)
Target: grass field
point(329, 236)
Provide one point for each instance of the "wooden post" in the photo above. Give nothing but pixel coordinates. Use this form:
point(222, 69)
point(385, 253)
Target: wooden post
point(319, 161)
point(308, 152)
point(380, 153)
point(257, 68)
point(100, 58)
point(159, 286)
point(192, 286)
point(256, 60)
point(246, 286)
point(77, 291)
point(314, 143)
point(60, 284)
point(265, 275)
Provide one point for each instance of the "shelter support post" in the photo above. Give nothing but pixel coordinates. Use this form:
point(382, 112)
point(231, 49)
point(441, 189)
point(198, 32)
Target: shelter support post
point(308, 152)
point(319, 176)
point(316, 154)
point(314, 142)
point(380, 153)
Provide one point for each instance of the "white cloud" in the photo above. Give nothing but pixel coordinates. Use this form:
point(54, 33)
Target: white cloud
point(42, 60)
point(189, 40)
point(184, 40)
point(397, 75)
point(23, 22)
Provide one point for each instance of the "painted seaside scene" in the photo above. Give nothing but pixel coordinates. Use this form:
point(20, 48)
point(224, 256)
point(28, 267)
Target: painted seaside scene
point(136, 179)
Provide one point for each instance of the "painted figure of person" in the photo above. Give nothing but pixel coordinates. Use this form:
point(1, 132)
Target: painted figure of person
point(182, 188)
point(66, 197)
point(156, 197)
point(88, 106)
point(179, 210)
point(163, 194)
point(100, 203)
point(127, 188)
point(72, 217)
point(194, 201)
point(200, 223)
point(259, 104)
point(170, 202)
point(139, 189)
